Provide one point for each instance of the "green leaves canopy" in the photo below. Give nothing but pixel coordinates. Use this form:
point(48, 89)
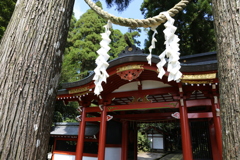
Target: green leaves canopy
point(83, 42)
point(195, 26)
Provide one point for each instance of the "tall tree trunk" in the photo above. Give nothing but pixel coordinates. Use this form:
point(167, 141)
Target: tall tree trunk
point(30, 61)
point(227, 26)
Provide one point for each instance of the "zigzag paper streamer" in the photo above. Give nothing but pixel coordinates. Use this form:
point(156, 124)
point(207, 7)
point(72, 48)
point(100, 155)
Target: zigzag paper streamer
point(102, 64)
point(149, 57)
point(171, 51)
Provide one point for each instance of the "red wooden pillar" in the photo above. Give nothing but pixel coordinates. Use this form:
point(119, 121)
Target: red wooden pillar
point(135, 141)
point(215, 151)
point(81, 136)
point(124, 140)
point(102, 134)
point(217, 123)
point(186, 142)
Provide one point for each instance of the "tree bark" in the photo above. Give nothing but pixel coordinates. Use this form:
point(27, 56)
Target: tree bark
point(227, 27)
point(31, 56)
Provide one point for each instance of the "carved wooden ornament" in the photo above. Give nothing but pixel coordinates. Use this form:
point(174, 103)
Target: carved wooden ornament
point(130, 74)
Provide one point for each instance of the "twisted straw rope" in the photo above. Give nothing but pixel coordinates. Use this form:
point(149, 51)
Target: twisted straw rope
point(149, 22)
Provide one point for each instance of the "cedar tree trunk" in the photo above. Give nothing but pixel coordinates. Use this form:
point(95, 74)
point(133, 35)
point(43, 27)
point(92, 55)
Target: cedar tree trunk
point(227, 26)
point(30, 61)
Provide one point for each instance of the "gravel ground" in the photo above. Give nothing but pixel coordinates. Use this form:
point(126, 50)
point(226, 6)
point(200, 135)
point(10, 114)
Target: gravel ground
point(149, 155)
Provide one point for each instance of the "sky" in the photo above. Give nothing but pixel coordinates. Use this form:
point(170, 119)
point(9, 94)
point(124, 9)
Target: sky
point(133, 11)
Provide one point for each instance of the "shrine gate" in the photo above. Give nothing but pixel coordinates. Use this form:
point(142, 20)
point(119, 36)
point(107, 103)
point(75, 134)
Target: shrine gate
point(134, 93)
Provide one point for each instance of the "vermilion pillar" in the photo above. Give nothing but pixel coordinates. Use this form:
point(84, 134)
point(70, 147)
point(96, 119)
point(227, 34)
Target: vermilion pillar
point(186, 142)
point(217, 123)
point(124, 140)
point(102, 135)
point(81, 136)
point(135, 141)
point(215, 151)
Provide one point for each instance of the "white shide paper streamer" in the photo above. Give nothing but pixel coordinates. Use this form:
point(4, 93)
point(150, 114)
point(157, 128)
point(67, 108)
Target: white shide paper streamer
point(171, 51)
point(149, 57)
point(102, 64)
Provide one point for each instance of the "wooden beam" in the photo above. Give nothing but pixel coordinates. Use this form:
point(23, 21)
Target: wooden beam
point(165, 90)
point(145, 106)
point(143, 115)
point(200, 115)
point(93, 109)
point(93, 119)
point(163, 116)
point(198, 102)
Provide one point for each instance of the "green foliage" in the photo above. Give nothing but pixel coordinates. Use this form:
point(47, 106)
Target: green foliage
point(65, 113)
point(7, 7)
point(84, 38)
point(83, 42)
point(70, 34)
point(195, 26)
point(143, 143)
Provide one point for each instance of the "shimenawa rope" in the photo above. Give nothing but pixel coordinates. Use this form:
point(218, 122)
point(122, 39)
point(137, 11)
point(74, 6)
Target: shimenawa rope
point(149, 22)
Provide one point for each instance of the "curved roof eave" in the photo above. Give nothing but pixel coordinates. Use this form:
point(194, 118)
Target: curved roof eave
point(206, 65)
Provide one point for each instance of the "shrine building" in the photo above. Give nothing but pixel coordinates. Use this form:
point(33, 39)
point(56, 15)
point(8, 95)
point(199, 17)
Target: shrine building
point(134, 94)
